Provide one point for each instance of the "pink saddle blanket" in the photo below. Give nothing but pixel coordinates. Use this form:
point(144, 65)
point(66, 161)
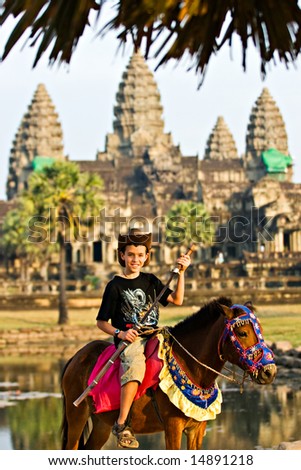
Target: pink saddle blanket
point(106, 394)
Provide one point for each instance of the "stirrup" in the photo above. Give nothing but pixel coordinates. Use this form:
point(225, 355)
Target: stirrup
point(125, 436)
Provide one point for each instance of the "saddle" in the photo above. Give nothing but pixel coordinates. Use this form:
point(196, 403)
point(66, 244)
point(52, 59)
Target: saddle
point(162, 369)
point(106, 394)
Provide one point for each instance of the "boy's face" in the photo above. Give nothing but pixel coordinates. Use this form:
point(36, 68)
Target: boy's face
point(134, 257)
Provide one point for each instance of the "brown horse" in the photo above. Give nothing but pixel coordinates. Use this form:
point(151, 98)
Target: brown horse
point(202, 343)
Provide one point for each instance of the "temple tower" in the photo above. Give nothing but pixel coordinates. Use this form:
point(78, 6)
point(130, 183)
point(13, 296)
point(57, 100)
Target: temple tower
point(138, 101)
point(266, 141)
point(221, 163)
point(138, 125)
point(145, 156)
point(221, 171)
point(221, 144)
point(39, 135)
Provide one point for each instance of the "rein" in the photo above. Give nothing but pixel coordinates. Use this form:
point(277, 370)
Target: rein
point(231, 379)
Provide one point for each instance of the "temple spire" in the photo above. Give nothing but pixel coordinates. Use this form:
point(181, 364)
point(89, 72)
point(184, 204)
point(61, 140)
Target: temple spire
point(221, 144)
point(265, 131)
point(138, 103)
point(39, 135)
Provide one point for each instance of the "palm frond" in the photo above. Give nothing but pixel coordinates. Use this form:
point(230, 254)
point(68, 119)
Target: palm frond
point(61, 21)
point(175, 27)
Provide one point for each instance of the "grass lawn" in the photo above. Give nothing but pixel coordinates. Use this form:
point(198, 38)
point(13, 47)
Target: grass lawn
point(279, 322)
point(42, 318)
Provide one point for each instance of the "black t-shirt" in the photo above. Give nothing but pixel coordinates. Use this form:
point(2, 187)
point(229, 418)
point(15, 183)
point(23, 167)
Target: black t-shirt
point(126, 300)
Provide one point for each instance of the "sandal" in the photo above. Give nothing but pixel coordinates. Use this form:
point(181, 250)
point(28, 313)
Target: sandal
point(125, 436)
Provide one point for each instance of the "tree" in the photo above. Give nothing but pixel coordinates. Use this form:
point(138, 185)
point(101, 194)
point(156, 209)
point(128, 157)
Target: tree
point(14, 236)
point(189, 222)
point(64, 200)
point(197, 27)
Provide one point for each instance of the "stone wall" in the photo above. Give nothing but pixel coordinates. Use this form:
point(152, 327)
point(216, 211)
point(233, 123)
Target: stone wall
point(261, 289)
point(57, 340)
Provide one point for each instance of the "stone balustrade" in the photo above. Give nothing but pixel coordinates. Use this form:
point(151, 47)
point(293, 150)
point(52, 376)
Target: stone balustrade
point(50, 287)
point(216, 282)
point(80, 293)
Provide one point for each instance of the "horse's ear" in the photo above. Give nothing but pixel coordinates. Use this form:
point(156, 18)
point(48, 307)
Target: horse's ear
point(250, 305)
point(228, 312)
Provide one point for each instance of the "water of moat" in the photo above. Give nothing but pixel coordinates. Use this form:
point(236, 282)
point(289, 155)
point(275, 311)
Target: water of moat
point(30, 411)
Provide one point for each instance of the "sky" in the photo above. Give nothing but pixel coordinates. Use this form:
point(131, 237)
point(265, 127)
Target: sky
point(84, 92)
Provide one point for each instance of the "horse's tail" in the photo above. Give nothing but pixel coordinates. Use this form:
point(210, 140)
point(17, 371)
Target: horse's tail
point(64, 424)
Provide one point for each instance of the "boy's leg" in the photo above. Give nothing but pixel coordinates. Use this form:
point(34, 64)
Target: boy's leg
point(133, 369)
point(128, 393)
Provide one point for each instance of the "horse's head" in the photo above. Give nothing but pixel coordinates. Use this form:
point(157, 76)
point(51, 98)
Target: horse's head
point(242, 343)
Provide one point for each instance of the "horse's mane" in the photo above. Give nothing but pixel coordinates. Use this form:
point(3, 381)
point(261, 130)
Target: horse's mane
point(207, 314)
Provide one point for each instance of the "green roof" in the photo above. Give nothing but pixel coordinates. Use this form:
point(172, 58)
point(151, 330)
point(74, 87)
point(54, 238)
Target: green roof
point(40, 162)
point(275, 161)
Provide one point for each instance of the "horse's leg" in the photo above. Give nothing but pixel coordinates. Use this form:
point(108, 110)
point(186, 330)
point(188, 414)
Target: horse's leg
point(99, 435)
point(173, 421)
point(173, 433)
point(76, 421)
point(195, 435)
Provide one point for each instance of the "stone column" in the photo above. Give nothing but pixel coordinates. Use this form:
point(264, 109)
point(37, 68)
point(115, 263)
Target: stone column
point(279, 245)
point(75, 247)
point(89, 253)
point(110, 250)
point(298, 240)
point(293, 241)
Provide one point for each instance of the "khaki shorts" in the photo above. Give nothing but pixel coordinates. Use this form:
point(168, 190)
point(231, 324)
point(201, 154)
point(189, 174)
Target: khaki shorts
point(132, 366)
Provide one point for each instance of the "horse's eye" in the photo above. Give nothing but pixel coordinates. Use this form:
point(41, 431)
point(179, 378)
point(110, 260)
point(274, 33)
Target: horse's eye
point(242, 334)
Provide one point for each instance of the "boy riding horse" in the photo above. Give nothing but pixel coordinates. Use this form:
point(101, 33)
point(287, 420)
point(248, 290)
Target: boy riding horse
point(126, 298)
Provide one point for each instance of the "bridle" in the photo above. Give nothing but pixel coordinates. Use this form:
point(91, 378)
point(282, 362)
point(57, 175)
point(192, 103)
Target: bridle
point(252, 358)
point(256, 356)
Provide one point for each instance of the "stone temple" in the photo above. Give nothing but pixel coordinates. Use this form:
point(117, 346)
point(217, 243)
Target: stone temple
point(252, 196)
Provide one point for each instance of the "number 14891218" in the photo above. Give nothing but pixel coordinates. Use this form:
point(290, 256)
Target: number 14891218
point(222, 460)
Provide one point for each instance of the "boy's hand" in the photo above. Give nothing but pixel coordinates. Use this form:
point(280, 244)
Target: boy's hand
point(129, 335)
point(183, 262)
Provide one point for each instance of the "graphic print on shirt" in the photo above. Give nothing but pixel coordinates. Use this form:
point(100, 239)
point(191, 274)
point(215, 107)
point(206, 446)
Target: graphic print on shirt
point(135, 305)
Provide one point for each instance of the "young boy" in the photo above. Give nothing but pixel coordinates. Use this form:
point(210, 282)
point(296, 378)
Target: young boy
point(126, 298)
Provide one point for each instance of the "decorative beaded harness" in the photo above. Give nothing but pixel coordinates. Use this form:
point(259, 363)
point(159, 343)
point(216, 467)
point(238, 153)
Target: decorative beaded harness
point(252, 358)
point(202, 397)
point(255, 357)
